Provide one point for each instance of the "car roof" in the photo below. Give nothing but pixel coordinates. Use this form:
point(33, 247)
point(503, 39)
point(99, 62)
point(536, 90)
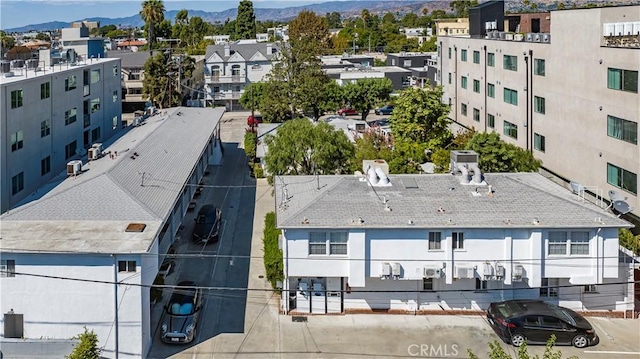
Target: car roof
point(524, 307)
point(207, 208)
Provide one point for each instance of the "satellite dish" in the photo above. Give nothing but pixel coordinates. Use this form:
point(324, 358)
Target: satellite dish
point(621, 206)
point(615, 196)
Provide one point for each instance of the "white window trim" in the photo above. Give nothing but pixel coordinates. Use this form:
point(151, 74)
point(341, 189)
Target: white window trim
point(327, 244)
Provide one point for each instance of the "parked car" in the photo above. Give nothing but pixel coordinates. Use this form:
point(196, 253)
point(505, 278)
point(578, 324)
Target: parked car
point(254, 120)
point(347, 111)
point(383, 122)
point(207, 224)
point(534, 321)
point(181, 314)
point(384, 110)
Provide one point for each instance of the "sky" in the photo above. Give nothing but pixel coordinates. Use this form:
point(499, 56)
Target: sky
point(16, 13)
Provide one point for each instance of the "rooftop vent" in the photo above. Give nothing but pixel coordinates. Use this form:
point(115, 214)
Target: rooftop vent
point(463, 161)
point(377, 172)
point(136, 227)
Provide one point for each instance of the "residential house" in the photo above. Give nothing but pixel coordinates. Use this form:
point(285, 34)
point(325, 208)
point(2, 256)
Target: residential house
point(421, 243)
point(400, 77)
point(52, 114)
point(85, 23)
point(452, 27)
point(86, 47)
point(110, 220)
point(531, 90)
point(423, 66)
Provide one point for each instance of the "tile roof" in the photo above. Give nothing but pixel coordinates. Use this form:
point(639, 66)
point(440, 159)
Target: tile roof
point(245, 50)
point(440, 201)
point(112, 190)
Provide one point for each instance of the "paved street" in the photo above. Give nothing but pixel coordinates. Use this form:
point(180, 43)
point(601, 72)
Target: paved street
point(250, 326)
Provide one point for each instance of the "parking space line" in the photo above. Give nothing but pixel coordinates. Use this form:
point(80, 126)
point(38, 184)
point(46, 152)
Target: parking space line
point(603, 331)
point(610, 352)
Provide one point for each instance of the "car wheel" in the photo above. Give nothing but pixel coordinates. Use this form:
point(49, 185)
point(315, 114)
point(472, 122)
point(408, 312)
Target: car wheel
point(580, 341)
point(517, 340)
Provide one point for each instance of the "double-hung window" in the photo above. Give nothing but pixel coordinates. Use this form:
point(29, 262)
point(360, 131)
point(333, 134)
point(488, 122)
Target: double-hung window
point(579, 243)
point(476, 115)
point(45, 90)
point(463, 55)
point(491, 59)
point(17, 183)
point(476, 86)
point(491, 90)
point(557, 243)
point(17, 98)
point(538, 67)
point(435, 240)
point(491, 120)
point(328, 243)
point(463, 82)
point(476, 57)
point(457, 240)
point(126, 266)
point(17, 141)
point(538, 142)
point(539, 104)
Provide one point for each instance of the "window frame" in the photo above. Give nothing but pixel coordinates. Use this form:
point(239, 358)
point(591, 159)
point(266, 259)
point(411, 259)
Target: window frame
point(93, 77)
point(45, 90)
point(330, 242)
point(463, 82)
point(45, 128)
point(17, 98)
point(539, 142)
point(549, 287)
point(457, 241)
point(620, 178)
point(70, 83)
point(510, 62)
point(434, 241)
point(557, 246)
point(491, 59)
point(463, 109)
point(476, 56)
point(69, 118)
point(491, 120)
point(491, 90)
point(463, 55)
point(539, 67)
point(17, 183)
point(539, 104)
point(7, 268)
point(481, 285)
point(510, 96)
point(510, 129)
point(622, 129)
point(127, 266)
point(17, 140)
point(68, 153)
point(619, 82)
point(45, 165)
point(476, 86)
point(476, 114)
point(428, 284)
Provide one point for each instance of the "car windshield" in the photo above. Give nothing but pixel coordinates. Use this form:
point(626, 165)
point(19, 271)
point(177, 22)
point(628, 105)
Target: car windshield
point(509, 309)
point(181, 303)
point(566, 314)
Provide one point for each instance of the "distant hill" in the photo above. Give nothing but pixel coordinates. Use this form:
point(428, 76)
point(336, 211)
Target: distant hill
point(345, 8)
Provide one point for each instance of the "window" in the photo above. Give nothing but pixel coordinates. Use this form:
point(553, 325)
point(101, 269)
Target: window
point(463, 82)
point(449, 78)
point(476, 57)
point(114, 122)
point(449, 53)
point(95, 104)
point(45, 165)
point(45, 128)
point(85, 114)
point(45, 90)
point(126, 266)
point(115, 70)
point(481, 285)
point(70, 116)
point(338, 243)
point(579, 243)
point(70, 83)
point(476, 86)
point(463, 55)
point(549, 287)
point(511, 96)
point(621, 178)
point(491, 90)
point(510, 62)
point(70, 150)
point(622, 129)
point(407, 63)
point(510, 129)
point(435, 240)
point(491, 120)
point(95, 134)
point(17, 183)
point(551, 322)
point(538, 67)
point(538, 142)
point(115, 96)
point(427, 283)
point(539, 104)
point(463, 109)
point(17, 141)
point(95, 76)
point(476, 115)
point(557, 243)
point(590, 288)
point(491, 59)
point(457, 240)
point(7, 268)
point(625, 80)
point(16, 98)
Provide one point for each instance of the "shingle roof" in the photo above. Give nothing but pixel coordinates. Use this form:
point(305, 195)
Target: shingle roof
point(130, 59)
point(113, 191)
point(517, 200)
point(245, 50)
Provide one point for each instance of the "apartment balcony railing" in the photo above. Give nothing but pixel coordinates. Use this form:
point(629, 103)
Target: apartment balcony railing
point(227, 79)
point(234, 95)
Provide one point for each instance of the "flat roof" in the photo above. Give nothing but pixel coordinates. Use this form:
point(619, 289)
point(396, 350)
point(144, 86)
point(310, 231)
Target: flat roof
point(21, 74)
point(517, 200)
point(141, 185)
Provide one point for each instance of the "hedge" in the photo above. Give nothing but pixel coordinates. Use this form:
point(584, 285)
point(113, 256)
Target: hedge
point(250, 143)
point(273, 262)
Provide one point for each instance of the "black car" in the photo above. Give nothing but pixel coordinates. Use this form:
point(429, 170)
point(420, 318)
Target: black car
point(534, 321)
point(207, 224)
point(181, 313)
point(384, 110)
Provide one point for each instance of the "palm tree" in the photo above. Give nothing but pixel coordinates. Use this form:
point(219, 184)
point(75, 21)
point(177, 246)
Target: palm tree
point(152, 13)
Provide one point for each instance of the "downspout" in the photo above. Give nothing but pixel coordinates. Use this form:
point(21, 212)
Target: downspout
point(486, 82)
point(531, 97)
point(528, 89)
point(455, 82)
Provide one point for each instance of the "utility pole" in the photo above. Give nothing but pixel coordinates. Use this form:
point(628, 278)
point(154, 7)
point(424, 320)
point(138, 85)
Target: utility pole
point(369, 43)
point(115, 291)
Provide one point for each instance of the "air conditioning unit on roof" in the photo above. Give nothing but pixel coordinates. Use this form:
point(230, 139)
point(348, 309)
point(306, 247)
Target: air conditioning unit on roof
point(529, 37)
point(537, 37)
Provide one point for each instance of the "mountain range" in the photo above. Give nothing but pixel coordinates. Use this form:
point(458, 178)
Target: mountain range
point(345, 8)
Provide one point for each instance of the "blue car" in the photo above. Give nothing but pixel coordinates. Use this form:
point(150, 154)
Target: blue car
point(384, 110)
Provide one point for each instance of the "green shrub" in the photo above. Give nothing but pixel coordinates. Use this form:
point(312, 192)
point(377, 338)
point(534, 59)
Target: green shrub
point(258, 172)
point(629, 241)
point(87, 346)
point(273, 262)
point(250, 143)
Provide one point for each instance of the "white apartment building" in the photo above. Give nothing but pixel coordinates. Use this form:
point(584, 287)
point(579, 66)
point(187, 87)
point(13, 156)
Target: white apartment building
point(110, 220)
point(52, 115)
point(229, 68)
point(569, 96)
point(423, 243)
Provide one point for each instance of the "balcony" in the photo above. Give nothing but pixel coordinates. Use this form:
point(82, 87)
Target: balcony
point(621, 34)
point(227, 79)
point(233, 95)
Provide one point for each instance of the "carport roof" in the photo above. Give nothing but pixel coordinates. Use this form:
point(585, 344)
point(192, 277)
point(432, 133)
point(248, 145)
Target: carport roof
point(90, 211)
point(517, 200)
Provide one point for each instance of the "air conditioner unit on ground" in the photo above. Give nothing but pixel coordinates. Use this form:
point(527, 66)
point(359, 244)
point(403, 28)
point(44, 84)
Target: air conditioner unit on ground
point(499, 271)
point(97, 146)
point(93, 154)
point(517, 273)
point(432, 272)
point(386, 270)
point(74, 168)
point(465, 272)
point(396, 270)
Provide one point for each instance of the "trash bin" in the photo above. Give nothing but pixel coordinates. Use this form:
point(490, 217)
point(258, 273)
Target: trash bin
point(292, 299)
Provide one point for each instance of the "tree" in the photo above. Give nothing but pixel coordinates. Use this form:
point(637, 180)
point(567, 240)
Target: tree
point(252, 95)
point(301, 147)
point(496, 155)
point(87, 346)
point(429, 45)
point(8, 42)
point(245, 21)
point(334, 20)
point(163, 29)
point(561, 6)
point(363, 95)
point(152, 13)
point(461, 7)
point(308, 37)
point(42, 36)
point(316, 92)
point(420, 116)
point(161, 81)
point(629, 241)
point(371, 146)
point(407, 157)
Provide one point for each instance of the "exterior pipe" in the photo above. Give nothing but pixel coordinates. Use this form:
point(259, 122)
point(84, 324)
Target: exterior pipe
point(455, 82)
point(531, 97)
point(486, 81)
point(528, 89)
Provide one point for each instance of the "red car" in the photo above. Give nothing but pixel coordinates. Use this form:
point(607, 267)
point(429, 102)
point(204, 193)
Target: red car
point(347, 112)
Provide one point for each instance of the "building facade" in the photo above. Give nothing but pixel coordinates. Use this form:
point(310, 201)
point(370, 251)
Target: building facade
point(421, 243)
point(52, 116)
point(575, 107)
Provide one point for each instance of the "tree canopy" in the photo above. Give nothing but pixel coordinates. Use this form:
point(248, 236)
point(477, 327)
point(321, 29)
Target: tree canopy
point(245, 21)
point(161, 83)
point(301, 147)
point(152, 13)
point(496, 155)
point(363, 95)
